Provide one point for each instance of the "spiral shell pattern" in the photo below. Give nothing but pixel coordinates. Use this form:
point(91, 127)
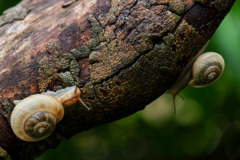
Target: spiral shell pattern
point(40, 125)
point(35, 117)
point(207, 68)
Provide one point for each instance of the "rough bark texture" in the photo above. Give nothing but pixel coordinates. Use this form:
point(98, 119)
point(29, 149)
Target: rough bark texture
point(122, 53)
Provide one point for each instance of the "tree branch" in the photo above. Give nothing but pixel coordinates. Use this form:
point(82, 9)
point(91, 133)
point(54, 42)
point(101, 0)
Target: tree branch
point(122, 54)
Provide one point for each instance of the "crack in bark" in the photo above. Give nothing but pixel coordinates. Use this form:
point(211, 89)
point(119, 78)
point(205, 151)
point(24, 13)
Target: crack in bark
point(145, 52)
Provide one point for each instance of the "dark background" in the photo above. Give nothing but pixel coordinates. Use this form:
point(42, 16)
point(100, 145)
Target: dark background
point(206, 126)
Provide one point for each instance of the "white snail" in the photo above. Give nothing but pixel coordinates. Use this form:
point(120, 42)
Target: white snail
point(201, 71)
point(34, 118)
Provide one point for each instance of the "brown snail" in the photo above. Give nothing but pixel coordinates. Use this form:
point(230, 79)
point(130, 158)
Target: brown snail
point(201, 71)
point(34, 118)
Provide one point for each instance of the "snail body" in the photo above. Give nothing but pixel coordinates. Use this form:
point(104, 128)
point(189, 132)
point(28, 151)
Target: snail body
point(67, 96)
point(35, 117)
point(201, 71)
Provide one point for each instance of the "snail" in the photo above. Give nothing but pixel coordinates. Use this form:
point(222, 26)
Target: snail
point(34, 118)
point(201, 71)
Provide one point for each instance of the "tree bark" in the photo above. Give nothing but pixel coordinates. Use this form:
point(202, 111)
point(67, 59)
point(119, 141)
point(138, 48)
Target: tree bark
point(123, 55)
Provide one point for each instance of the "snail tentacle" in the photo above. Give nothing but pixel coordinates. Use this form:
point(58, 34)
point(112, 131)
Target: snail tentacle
point(185, 77)
point(81, 101)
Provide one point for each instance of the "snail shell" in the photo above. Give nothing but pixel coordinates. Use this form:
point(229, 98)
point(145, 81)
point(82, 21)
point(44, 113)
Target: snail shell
point(201, 71)
point(206, 69)
point(36, 116)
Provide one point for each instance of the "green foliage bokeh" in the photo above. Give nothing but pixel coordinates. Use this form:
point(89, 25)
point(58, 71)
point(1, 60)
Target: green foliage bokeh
point(5, 4)
point(207, 124)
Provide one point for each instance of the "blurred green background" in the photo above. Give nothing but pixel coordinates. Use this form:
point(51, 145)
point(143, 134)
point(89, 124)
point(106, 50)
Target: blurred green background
point(206, 126)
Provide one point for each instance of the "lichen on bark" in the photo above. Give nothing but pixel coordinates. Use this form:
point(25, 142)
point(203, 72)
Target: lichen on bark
point(57, 67)
point(4, 155)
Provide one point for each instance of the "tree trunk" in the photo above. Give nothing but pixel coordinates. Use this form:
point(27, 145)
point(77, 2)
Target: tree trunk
point(122, 53)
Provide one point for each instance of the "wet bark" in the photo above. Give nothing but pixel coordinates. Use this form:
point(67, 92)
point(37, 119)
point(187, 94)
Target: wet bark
point(123, 55)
